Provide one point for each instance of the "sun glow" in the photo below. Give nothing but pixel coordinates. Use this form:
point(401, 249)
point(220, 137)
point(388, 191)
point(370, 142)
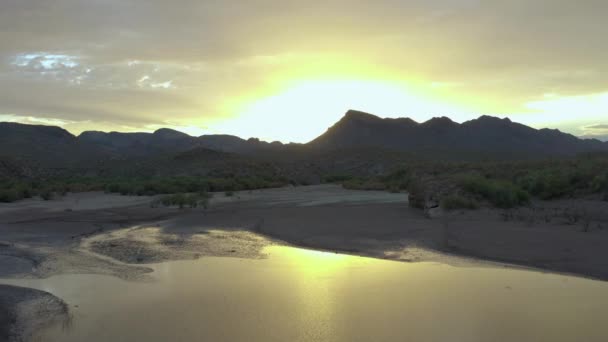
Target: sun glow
point(305, 109)
point(564, 108)
point(312, 263)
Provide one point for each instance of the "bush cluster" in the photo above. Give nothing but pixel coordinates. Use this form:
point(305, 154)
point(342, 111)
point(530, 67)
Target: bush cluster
point(455, 202)
point(393, 182)
point(13, 190)
point(503, 184)
point(173, 185)
point(365, 184)
point(183, 200)
point(502, 194)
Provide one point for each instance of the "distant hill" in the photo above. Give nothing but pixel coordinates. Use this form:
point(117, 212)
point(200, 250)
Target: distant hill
point(140, 144)
point(486, 137)
point(166, 140)
point(45, 145)
point(358, 141)
point(233, 144)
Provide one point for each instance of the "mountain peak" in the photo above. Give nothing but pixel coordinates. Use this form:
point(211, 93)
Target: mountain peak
point(19, 128)
point(359, 115)
point(170, 133)
point(442, 121)
point(486, 135)
point(491, 119)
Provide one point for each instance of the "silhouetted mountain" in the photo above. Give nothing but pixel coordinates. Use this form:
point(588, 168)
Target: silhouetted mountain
point(140, 144)
point(226, 143)
point(400, 139)
point(170, 141)
point(48, 145)
point(486, 136)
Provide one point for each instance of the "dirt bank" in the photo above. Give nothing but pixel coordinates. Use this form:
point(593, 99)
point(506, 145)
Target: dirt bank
point(24, 311)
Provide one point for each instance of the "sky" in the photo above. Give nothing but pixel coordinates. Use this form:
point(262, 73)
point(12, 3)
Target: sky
point(287, 70)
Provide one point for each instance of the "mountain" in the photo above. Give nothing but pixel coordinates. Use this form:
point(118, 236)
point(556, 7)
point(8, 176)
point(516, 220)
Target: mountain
point(356, 140)
point(233, 144)
point(485, 137)
point(54, 147)
point(166, 140)
point(140, 144)
point(47, 145)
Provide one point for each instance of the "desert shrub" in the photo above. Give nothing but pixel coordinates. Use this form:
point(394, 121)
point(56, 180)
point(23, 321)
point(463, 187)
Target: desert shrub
point(46, 194)
point(394, 188)
point(400, 179)
point(502, 194)
point(222, 184)
point(203, 200)
point(454, 202)
point(79, 187)
point(12, 190)
point(364, 184)
point(337, 178)
point(544, 179)
point(600, 183)
point(24, 191)
point(353, 184)
point(62, 190)
point(190, 184)
point(417, 195)
point(182, 200)
point(550, 184)
point(122, 188)
point(9, 195)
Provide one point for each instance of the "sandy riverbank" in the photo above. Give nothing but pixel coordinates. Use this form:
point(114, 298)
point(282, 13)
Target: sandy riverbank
point(23, 311)
point(39, 238)
point(113, 235)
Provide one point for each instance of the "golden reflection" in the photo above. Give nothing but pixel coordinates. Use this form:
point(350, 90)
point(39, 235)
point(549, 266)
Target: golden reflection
point(311, 262)
point(316, 296)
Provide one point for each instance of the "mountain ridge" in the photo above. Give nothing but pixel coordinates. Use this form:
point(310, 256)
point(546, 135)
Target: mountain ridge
point(487, 136)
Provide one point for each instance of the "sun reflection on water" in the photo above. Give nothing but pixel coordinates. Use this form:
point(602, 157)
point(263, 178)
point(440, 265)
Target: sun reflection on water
point(318, 278)
point(313, 262)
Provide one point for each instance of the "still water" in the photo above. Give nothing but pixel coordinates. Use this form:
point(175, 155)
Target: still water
point(302, 295)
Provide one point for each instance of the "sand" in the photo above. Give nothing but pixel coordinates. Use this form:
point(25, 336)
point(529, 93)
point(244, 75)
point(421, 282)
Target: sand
point(24, 311)
point(115, 235)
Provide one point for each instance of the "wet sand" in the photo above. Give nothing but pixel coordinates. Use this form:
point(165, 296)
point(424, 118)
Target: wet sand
point(25, 311)
point(96, 233)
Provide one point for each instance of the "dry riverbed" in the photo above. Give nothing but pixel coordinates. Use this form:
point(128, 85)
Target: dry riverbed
point(96, 233)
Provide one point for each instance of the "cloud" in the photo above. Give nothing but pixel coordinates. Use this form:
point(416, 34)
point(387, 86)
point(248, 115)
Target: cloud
point(33, 120)
point(598, 127)
point(45, 61)
point(602, 137)
point(595, 131)
point(140, 62)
